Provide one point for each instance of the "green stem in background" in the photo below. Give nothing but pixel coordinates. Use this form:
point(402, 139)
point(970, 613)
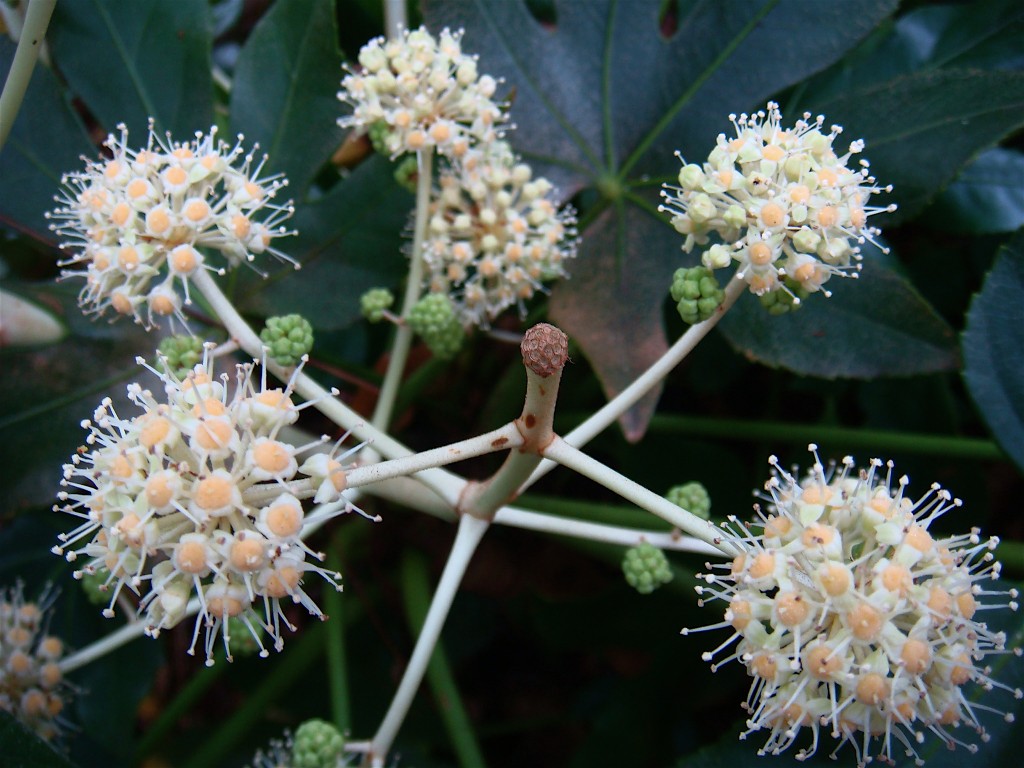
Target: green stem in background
point(467, 537)
point(37, 18)
point(416, 589)
point(181, 704)
point(876, 440)
point(413, 286)
point(298, 657)
point(334, 642)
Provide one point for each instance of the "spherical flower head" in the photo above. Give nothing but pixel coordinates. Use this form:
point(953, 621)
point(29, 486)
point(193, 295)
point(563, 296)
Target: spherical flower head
point(198, 495)
point(693, 497)
point(790, 211)
point(853, 617)
point(32, 687)
point(417, 92)
point(288, 338)
point(646, 568)
point(142, 221)
point(495, 235)
point(317, 744)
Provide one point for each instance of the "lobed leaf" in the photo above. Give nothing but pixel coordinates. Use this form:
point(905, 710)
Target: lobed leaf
point(603, 98)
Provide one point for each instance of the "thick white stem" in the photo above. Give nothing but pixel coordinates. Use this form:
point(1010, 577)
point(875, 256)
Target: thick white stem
point(395, 18)
point(37, 18)
point(568, 456)
point(504, 438)
point(413, 287)
point(113, 641)
point(470, 531)
point(608, 534)
point(443, 483)
point(628, 397)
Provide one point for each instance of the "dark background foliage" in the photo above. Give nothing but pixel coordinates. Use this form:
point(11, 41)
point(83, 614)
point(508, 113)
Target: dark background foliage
point(556, 660)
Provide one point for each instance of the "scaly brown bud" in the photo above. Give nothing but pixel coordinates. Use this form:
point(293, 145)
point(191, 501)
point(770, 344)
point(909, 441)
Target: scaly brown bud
point(545, 349)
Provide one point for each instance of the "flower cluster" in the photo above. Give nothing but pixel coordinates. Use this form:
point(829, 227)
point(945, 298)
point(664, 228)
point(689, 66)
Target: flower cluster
point(199, 495)
point(426, 93)
point(140, 220)
point(789, 210)
point(32, 686)
point(851, 615)
point(495, 234)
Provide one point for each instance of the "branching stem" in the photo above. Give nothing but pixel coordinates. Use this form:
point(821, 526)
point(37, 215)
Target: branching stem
point(470, 531)
point(573, 458)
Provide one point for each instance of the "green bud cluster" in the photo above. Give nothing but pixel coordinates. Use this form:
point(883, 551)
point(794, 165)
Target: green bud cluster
point(288, 338)
point(378, 134)
point(92, 584)
point(407, 172)
point(646, 568)
point(180, 354)
point(433, 318)
point(693, 497)
point(242, 641)
point(317, 744)
point(780, 301)
point(374, 302)
point(697, 293)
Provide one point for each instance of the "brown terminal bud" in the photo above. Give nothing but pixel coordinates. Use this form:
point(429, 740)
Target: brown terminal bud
point(545, 349)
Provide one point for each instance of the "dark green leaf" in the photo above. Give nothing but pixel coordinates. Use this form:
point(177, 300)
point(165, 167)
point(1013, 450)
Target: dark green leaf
point(45, 393)
point(921, 129)
point(977, 35)
point(985, 35)
point(349, 241)
point(604, 97)
point(993, 345)
point(130, 60)
point(23, 749)
point(285, 86)
point(45, 142)
point(987, 197)
point(876, 325)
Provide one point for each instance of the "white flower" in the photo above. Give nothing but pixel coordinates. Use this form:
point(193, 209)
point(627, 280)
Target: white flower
point(495, 234)
point(851, 616)
point(200, 495)
point(425, 91)
point(141, 220)
point(32, 687)
point(790, 210)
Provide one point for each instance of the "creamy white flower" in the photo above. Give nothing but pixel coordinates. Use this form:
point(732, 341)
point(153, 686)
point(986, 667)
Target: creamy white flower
point(851, 616)
point(425, 91)
point(32, 687)
point(143, 220)
point(789, 209)
point(495, 234)
point(199, 495)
